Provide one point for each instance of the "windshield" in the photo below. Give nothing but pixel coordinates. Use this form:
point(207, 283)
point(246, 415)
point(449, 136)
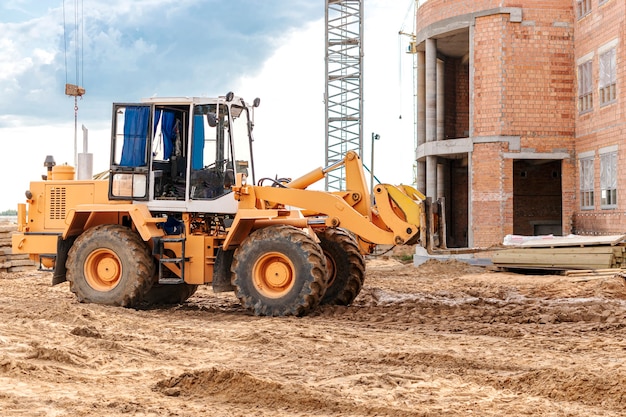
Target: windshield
point(220, 149)
point(241, 139)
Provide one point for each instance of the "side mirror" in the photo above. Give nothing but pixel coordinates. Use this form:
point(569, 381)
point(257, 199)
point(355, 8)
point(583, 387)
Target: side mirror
point(211, 119)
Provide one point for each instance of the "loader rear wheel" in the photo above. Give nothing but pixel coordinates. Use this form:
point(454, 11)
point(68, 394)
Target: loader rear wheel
point(279, 271)
point(345, 266)
point(110, 264)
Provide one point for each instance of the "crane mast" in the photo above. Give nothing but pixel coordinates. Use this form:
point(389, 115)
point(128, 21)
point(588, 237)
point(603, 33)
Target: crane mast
point(343, 97)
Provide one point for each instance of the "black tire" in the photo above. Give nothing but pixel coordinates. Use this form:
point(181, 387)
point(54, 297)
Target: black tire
point(279, 271)
point(169, 293)
point(345, 266)
point(110, 264)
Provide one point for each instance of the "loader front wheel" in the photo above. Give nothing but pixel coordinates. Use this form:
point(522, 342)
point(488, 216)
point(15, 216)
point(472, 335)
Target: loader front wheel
point(279, 271)
point(110, 264)
point(345, 266)
point(169, 293)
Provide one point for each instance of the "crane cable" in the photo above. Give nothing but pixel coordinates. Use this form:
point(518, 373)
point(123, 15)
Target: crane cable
point(75, 90)
point(401, 32)
point(78, 30)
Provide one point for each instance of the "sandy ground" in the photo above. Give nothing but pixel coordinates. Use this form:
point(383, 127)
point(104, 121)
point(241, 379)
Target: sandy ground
point(443, 339)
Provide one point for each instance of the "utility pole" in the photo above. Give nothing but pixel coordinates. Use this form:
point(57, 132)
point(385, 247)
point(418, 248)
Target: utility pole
point(375, 136)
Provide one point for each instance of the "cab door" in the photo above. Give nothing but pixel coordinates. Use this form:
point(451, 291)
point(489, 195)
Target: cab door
point(129, 174)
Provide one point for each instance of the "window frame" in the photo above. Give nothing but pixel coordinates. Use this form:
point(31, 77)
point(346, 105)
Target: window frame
point(608, 186)
point(583, 8)
point(585, 86)
point(587, 197)
point(607, 84)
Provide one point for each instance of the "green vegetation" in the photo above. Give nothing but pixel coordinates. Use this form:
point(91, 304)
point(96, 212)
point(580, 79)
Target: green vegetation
point(8, 213)
point(405, 258)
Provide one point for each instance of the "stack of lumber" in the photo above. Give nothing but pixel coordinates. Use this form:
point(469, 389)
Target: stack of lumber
point(10, 262)
point(564, 253)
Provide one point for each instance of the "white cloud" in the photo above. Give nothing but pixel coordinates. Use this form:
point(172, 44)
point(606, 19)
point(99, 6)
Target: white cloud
point(289, 131)
point(289, 124)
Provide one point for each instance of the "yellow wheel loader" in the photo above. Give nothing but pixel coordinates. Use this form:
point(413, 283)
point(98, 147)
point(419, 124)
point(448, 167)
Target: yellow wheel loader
point(180, 207)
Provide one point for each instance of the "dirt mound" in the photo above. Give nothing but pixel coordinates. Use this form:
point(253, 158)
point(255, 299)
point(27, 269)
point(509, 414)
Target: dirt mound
point(245, 390)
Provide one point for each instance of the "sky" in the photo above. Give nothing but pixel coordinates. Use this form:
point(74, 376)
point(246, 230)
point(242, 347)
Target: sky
point(129, 50)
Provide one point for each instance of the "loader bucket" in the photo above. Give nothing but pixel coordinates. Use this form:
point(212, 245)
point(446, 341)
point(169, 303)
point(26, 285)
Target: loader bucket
point(417, 209)
point(433, 225)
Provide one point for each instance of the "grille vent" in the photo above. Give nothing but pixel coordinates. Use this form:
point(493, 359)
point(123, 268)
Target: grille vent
point(57, 203)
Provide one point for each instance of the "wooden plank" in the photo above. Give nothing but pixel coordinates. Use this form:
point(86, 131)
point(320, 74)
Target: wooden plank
point(551, 259)
point(541, 267)
point(573, 240)
point(572, 250)
point(584, 272)
point(531, 256)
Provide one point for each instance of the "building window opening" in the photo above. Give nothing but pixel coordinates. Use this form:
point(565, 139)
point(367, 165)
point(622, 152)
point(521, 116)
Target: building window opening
point(586, 184)
point(583, 8)
point(608, 180)
point(585, 80)
point(608, 77)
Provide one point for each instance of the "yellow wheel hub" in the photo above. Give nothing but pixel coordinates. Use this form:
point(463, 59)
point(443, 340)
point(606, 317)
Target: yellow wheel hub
point(273, 275)
point(103, 269)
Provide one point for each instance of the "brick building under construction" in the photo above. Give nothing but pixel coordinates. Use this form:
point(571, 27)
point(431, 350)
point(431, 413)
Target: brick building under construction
point(521, 116)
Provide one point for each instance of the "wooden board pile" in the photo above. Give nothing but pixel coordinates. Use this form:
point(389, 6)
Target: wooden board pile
point(10, 262)
point(565, 253)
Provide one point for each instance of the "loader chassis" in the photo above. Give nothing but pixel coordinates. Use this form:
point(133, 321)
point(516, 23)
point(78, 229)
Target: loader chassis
point(180, 208)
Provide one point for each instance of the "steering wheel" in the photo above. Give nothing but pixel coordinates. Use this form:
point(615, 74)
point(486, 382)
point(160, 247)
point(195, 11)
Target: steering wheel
point(215, 164)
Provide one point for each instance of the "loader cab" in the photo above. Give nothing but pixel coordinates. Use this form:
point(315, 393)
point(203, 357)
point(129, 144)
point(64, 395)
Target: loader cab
point(181, 154)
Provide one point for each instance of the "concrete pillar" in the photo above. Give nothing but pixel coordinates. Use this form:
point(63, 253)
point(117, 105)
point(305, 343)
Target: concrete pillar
point(471, 81)
point(421, 176)
point(421, 118)
point(431, 89)
point(431, 177)
point(421, 98)
point(441, 180)
point(470, 206)
point(431, 114)
point(470, 167)
point(440, 100)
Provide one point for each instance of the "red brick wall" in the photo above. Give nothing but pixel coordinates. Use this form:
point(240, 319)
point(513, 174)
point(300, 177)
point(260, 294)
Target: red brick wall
point(604, 125)
point(523, 86)
point(436, 10)
point(523, 83)
point(492, 194)
point(489, 71)
point(538, 81)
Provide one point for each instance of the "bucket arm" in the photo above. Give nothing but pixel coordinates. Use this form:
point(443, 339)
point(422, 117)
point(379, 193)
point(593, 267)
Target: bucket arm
point(396, 218)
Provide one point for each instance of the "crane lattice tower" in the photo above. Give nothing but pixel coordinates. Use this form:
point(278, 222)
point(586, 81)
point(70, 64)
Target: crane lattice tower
point(344, 84)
